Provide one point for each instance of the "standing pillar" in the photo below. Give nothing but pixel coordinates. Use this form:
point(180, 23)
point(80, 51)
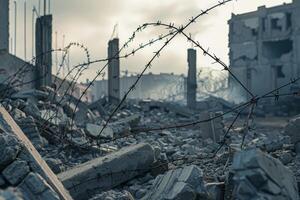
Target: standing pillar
point(43, 47)
point(4, 25)
point(191, 79)
point(113, 71)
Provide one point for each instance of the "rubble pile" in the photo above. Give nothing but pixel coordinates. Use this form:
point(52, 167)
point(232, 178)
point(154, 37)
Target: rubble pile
point(127, 161)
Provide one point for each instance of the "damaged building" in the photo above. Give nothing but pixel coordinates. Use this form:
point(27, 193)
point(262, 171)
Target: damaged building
point(265, 47)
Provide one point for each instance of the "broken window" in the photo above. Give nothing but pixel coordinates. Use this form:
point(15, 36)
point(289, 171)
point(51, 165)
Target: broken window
point(288, 20)
point(252, 23)
point(275, 25)
point(276, 21)
point(275, 49)
point(264, 21)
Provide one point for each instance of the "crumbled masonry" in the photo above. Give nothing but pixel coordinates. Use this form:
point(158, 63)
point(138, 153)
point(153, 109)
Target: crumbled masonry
point(123, 162)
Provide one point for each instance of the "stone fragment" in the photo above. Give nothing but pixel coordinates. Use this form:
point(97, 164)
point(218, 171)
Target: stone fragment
point(213, 129)
point(35, 187)
point(16, 172)
point(180, 184)
point(94, 130)
point(216, 191)
point(107, 172)
point(10, 194)
point(112, 195)
point(293, 129)
point(9, 149)
point(260, 176)
point(54, 164)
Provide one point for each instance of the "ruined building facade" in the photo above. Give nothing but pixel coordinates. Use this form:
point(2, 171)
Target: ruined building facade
point(265, 48)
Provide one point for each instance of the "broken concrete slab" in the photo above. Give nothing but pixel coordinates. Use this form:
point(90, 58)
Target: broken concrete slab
point(260, 176)
point(180, 184)
point(107, 172)
point(94, 130)
point(30, 154)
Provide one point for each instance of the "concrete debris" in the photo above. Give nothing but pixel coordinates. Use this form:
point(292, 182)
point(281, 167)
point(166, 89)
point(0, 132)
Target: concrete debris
point(109, 171)
point(179, 184)
point(35, 187)
point(10, 194)
point(112, 195)
point(94, 131)
point(15, 172)
point(293, 129)
point(20, 160)
point(212, 129)
point(260, 176)
point(66, 135)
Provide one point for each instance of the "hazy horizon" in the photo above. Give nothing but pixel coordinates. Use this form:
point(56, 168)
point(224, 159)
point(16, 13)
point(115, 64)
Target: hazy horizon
point(91, 23)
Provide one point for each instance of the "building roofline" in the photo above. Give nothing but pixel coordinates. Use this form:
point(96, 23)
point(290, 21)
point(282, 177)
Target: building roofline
point(278, 8)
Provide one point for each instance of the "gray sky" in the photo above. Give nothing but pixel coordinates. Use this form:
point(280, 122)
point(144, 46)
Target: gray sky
point(91, 22)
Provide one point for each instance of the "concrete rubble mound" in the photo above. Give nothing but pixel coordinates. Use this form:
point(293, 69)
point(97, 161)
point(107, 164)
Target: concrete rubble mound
point(22, 168)
point(51, 148)
point(260, 176)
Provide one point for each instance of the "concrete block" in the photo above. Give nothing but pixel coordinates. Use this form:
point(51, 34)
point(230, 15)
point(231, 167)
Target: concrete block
point(34, 187)
point(107, 172)
point(180, 184)
point(16, 172)
point(293, 129)
point(260, 176)
point(9, 149)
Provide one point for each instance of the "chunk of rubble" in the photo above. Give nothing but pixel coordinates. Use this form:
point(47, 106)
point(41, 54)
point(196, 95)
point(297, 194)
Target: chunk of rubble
point(104, 173)
point(94, 130)
point(10, 194)
point(260, 176)
point(9, 149)
point(213, 129)
point(16, 172)
point(112, 195)
point(293, 130)
point(180, 184)
point(35, 187)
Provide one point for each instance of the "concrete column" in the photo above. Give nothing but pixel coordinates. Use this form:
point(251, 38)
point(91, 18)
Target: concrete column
point(191, 79)
point(113, 71)
point(4, 25)
point(43, 47)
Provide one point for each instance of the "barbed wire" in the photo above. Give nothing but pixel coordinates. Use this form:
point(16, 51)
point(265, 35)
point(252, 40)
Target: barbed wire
point(157, 54)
